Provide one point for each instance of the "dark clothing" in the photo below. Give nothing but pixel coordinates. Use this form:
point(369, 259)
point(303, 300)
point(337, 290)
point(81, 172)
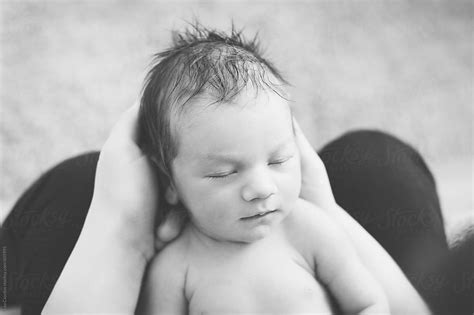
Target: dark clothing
point(379, 180)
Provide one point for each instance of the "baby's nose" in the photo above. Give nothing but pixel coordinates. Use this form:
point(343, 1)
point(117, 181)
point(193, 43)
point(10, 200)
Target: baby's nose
point(260, 186)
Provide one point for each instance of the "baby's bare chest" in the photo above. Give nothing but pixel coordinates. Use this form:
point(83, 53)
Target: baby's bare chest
point(264, 280)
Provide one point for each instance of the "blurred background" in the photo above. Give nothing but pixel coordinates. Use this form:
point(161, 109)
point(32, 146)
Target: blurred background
point(68, 69)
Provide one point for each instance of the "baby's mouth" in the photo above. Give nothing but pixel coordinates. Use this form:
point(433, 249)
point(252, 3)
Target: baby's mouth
point(259, 215)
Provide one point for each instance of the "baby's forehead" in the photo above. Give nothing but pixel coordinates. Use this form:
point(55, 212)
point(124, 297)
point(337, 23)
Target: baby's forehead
point(249, 97)
point(231, 126)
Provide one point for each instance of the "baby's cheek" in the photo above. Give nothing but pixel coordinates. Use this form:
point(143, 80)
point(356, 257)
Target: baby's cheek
point(218, 206)
point(291, 193)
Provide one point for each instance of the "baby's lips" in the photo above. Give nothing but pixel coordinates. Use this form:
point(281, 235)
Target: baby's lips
point(257, 213)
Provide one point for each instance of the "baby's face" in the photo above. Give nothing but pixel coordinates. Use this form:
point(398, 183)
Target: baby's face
point(236, 161)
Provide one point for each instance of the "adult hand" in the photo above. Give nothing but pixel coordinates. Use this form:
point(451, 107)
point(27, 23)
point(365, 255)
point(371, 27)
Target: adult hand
point(402, 296)
point(117, 239)
point(315, 185)
point(126, 186)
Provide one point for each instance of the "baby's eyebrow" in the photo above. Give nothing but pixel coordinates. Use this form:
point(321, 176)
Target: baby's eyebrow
point(232, 158)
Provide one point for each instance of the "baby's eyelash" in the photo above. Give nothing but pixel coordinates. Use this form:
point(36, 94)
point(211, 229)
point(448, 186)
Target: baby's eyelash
point(220, 176)
point(280, 161)
point(228, 174)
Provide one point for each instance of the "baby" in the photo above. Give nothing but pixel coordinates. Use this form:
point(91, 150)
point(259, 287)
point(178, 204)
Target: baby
point(216, 122)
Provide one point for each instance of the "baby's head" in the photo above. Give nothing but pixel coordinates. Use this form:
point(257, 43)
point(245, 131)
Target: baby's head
point(215, 122)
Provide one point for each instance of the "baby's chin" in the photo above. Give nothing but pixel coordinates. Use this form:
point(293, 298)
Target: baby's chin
point(253, 235)
point(258, 233)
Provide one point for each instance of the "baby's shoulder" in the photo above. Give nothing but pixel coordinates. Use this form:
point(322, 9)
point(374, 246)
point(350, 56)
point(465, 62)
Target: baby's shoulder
point(302, 225)
point(165, 280)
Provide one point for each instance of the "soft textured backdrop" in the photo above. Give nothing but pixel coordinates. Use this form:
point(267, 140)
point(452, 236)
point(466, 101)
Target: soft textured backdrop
point(68, 68)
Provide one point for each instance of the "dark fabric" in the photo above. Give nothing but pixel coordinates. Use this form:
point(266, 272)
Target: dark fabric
point(381, 181)
point(42, 229)
point(453, 282)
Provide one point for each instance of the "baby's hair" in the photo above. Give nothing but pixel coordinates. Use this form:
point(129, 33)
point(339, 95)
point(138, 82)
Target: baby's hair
point(201, 61)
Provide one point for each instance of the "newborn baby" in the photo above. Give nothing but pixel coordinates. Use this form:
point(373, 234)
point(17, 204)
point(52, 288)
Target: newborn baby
point(216, 122)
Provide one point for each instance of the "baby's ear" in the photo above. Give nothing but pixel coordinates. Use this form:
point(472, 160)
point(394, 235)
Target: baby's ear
point(171, 195)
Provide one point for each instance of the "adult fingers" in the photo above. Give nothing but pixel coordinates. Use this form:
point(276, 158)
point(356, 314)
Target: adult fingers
point(316, 187)
point(125, 129)
point(306, 150)
point(311, 163)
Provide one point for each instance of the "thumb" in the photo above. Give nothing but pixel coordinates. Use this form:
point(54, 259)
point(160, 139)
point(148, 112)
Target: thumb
point(126, 128)
point(124, 135)
point(315, 185)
